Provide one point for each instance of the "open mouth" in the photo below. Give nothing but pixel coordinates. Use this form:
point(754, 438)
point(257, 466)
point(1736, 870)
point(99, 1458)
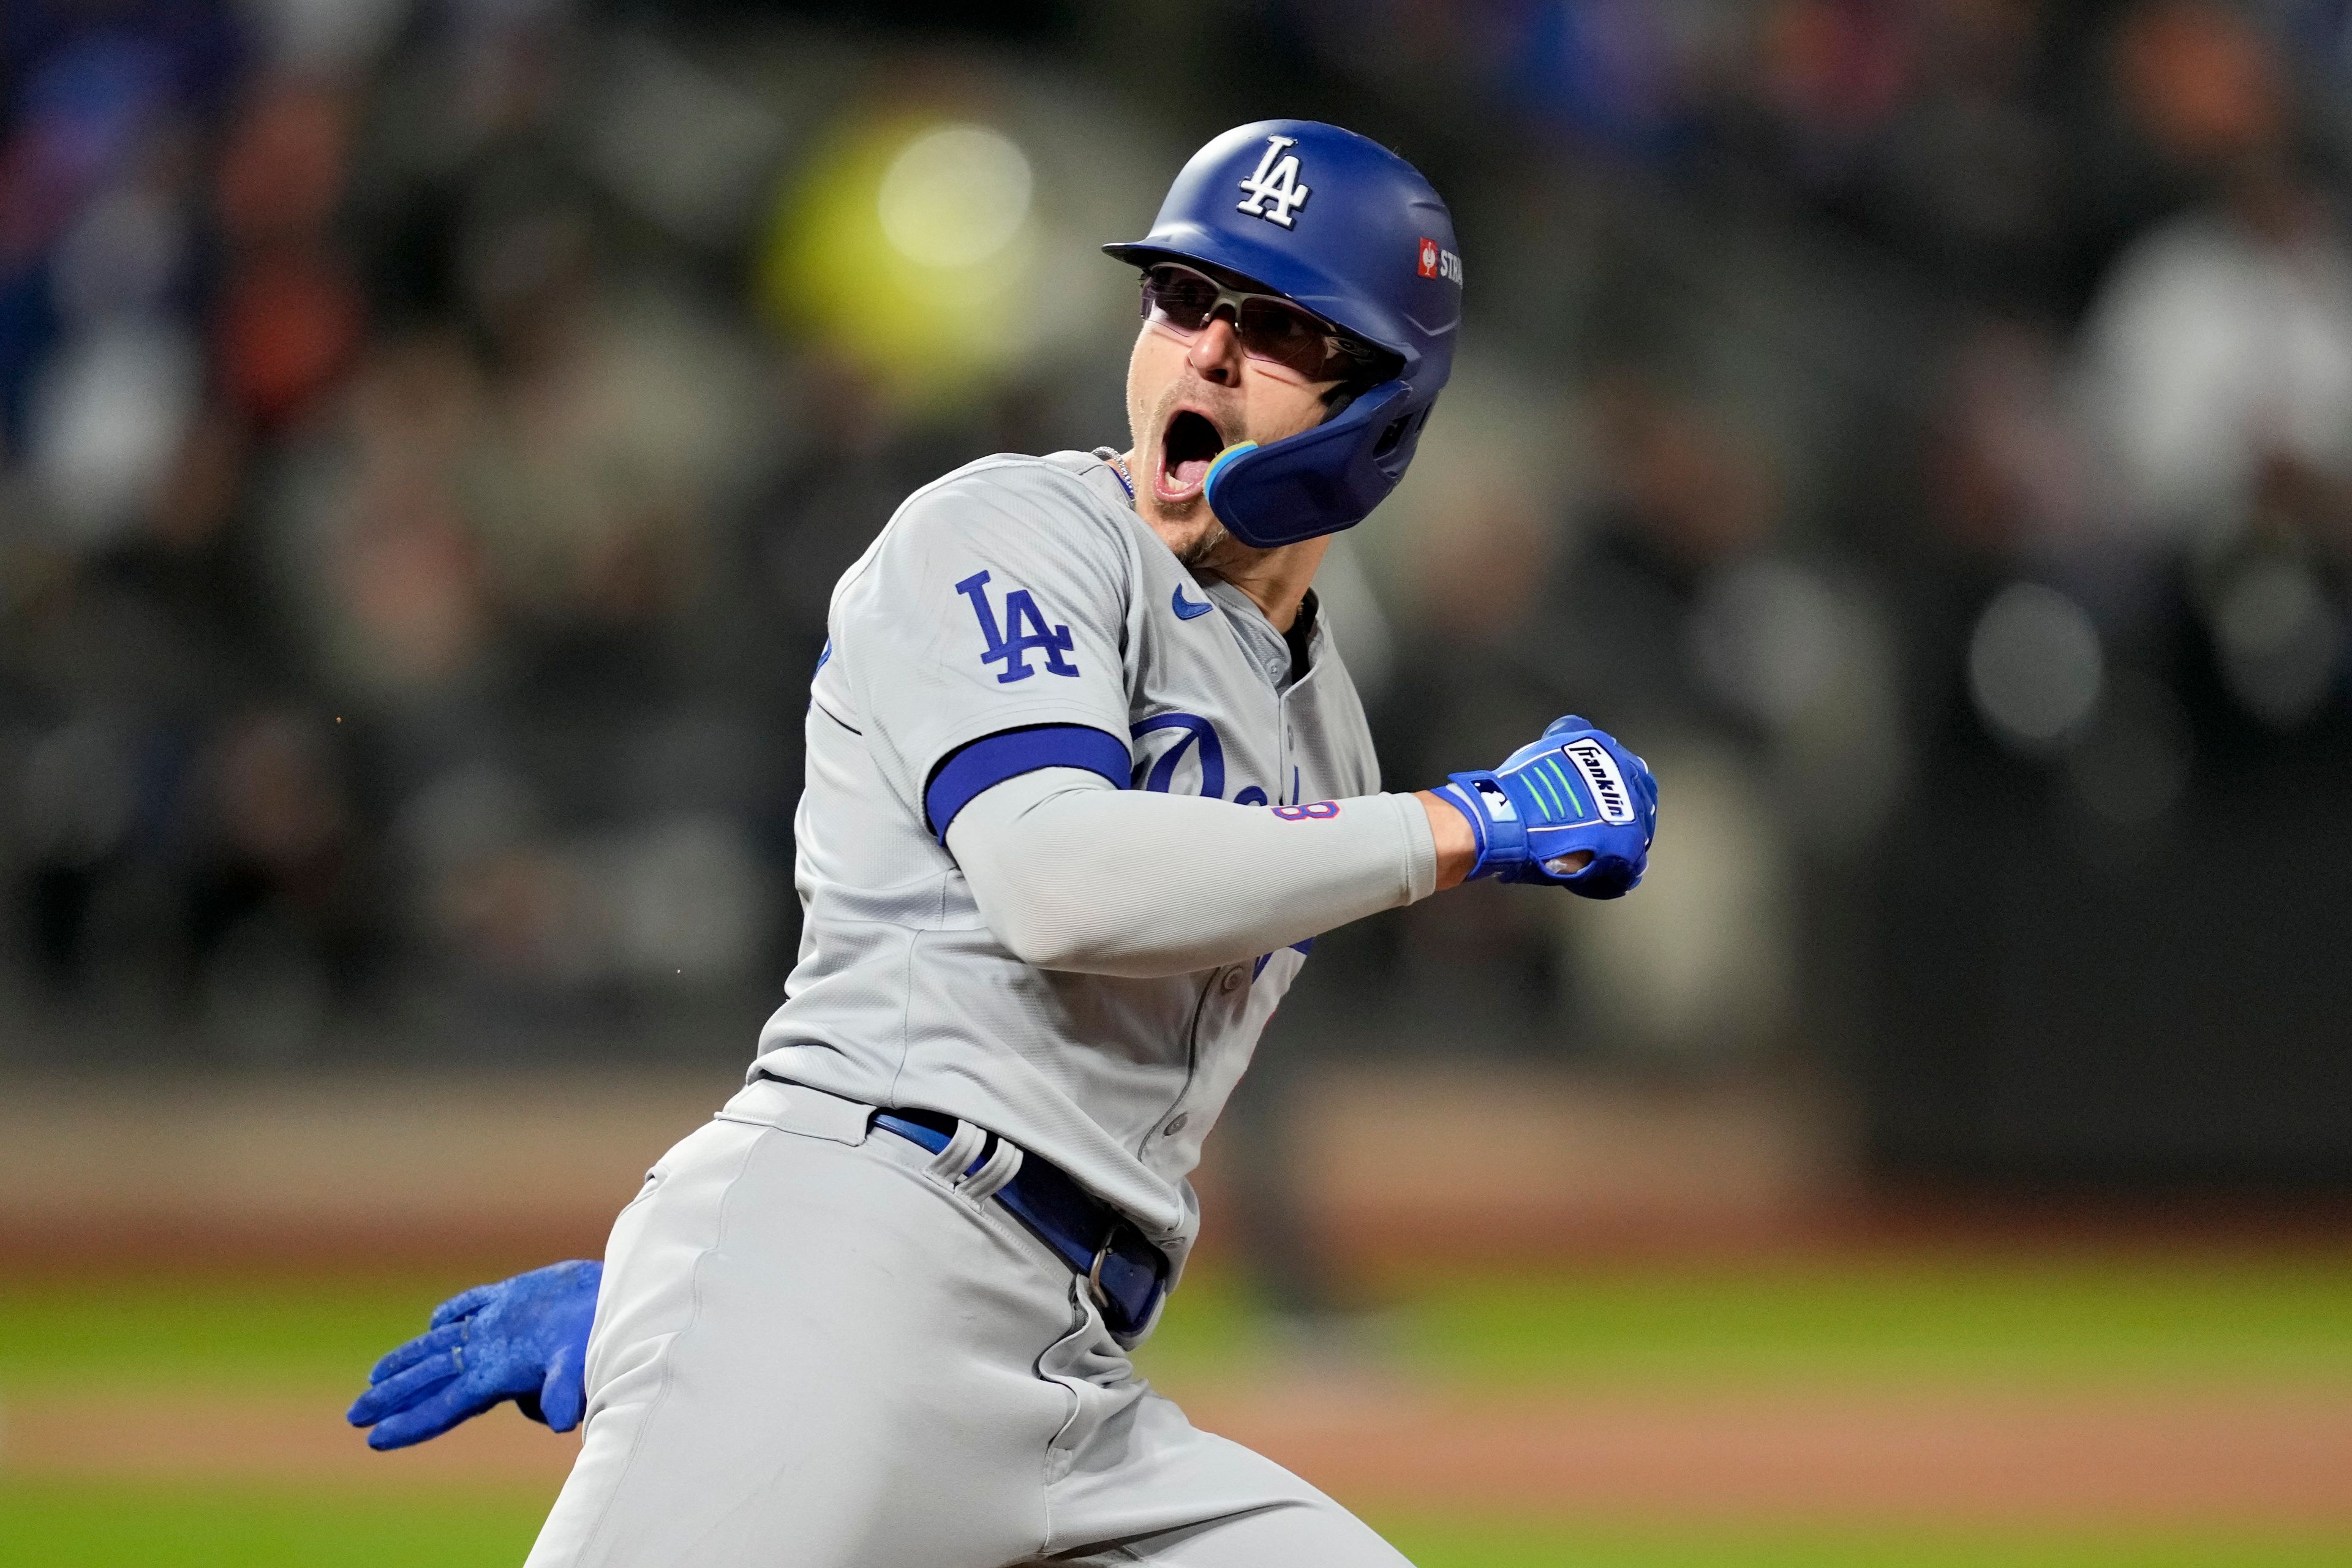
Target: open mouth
point(1187, 447)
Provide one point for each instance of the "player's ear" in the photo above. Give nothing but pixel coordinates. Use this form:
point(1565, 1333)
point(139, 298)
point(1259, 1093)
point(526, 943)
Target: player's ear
point(1343, 393)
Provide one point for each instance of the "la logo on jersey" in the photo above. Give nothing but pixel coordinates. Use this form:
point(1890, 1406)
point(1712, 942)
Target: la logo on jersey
point(1600, 770)
point(1275, 182)
point(1025, 631)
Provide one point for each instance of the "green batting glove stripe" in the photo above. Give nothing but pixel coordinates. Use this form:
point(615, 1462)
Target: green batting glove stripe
point(1545, 784)
point(1559, 774)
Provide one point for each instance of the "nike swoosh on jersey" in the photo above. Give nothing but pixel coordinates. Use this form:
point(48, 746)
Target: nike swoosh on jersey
point(1185, 608)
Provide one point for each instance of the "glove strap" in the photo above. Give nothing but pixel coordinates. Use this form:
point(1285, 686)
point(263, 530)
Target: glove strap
point(1495, 819)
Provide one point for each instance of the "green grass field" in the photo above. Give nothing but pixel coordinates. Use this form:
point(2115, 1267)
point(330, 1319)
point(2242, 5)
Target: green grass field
point(2137, 1319)
point(2070, 1319)
point(2142, 1323)
point(89, 1527)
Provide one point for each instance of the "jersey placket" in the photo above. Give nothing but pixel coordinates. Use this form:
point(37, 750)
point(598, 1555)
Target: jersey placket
point(1224, 1001)
point(1172, 1122)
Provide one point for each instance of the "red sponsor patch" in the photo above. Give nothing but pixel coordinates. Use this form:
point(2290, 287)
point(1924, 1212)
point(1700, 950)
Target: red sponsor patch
point(1428, 257)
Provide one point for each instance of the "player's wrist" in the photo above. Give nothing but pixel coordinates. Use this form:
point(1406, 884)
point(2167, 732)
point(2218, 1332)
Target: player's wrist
point(1457, 842)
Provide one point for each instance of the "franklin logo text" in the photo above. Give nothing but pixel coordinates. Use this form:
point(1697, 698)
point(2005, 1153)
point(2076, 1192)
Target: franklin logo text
point(1600, 770)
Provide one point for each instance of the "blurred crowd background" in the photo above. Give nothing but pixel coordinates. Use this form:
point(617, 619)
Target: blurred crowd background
point(430, 430)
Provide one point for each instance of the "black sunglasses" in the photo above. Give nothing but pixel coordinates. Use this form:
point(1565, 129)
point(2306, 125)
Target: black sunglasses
point(1271, 329)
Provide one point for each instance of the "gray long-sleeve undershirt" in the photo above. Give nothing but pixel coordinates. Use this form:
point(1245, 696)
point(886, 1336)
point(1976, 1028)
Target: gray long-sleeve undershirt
point(1073, 874)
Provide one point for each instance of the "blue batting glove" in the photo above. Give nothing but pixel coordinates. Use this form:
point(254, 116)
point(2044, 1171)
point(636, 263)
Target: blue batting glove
point(524, 1338)
point(1575, 790)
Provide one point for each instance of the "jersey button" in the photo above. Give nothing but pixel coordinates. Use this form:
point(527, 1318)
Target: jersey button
point(1233, 981)
point(1175, 1125)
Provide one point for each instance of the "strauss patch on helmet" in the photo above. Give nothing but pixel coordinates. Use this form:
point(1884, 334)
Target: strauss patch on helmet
point(1369, 207)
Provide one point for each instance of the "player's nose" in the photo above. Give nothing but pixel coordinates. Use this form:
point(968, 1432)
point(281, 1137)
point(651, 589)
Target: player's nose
point(1215, 354)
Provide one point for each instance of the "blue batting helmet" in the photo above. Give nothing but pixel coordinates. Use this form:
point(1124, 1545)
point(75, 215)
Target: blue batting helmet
point(1350, 231)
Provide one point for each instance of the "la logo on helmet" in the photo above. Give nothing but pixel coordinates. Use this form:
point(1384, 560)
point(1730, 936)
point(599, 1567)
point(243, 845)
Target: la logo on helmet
point(1277, 183)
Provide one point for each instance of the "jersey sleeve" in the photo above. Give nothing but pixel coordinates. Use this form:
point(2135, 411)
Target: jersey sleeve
point(1070, 875)
point(984, 636)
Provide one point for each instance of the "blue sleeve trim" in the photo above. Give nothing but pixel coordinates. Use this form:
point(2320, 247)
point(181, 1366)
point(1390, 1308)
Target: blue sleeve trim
point(988, 762)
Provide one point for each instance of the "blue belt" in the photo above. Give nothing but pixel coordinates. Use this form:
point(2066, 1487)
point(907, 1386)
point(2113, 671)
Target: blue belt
point(1124, 1272)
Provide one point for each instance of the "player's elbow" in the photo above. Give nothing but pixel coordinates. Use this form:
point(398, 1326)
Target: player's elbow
point(1019, 909)
point(1038, 931)
point(1120, 954)
point(1068, 956)
point(1050, 929)
point(1030, 940)
point(1039, 900)
point(1057, 900)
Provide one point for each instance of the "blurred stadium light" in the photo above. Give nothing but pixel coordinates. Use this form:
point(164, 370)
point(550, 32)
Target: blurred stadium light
point(906, 245)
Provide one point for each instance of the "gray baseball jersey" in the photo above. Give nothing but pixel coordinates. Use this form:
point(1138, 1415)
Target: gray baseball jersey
point(1015, 615)
point(819, 1344)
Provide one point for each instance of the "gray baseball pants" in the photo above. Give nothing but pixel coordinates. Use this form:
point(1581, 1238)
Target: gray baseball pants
point(812, 1350)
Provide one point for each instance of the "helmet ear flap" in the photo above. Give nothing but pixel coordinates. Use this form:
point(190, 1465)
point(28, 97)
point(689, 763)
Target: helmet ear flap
point(1401, 435)
point(1320, 481)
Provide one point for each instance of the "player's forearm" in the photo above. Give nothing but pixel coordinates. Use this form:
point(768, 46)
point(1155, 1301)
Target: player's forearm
point(1456, 846)
point(1071, 874)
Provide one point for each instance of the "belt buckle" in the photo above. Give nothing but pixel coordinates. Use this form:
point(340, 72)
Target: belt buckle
point(1094, 1274)
point(1124, 1329)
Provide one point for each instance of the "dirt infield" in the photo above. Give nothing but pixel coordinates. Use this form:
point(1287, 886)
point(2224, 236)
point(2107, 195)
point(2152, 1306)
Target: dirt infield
point(95, 1184)
point(2077, 1460)
point(361, 1169)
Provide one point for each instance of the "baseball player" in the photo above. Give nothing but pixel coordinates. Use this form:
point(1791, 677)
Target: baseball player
point(1085, 778)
